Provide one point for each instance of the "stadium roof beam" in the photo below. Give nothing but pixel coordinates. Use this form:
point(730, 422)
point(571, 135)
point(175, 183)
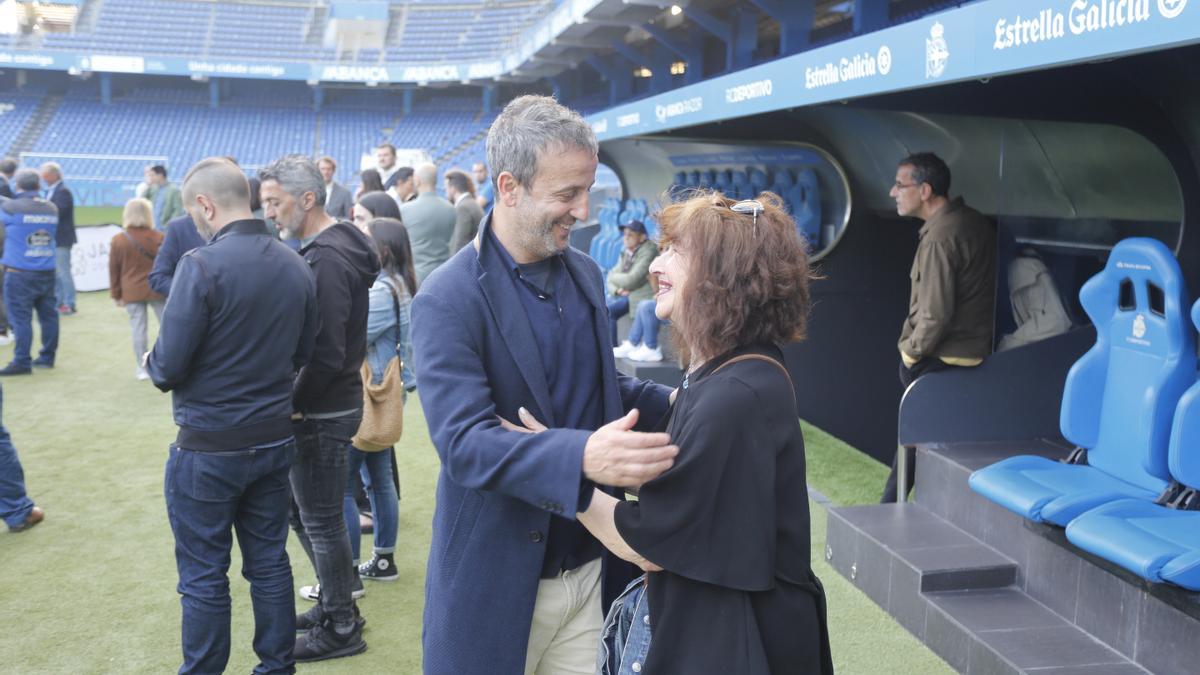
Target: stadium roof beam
point(739, 35)
point(593, 41)
point(795, 22)
point(659, 64)
point(870, 15)
point(550, 60)
point(691, 53)
point(620, 82)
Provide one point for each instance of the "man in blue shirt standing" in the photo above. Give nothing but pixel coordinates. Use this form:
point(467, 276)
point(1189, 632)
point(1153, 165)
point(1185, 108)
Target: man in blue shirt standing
point(241, 323)
point(30, 225)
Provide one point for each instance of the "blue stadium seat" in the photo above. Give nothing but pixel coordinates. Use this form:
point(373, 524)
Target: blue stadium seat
point(782, 181)
point(722, 180)
point(1159, 542)
point(758, 180)
point(1119, 397)
point(739, 185)
point(805, 201)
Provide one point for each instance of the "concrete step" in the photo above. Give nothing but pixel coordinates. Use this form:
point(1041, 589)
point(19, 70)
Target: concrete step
point(1004, 631)
point(959, 595)
point(665, 372)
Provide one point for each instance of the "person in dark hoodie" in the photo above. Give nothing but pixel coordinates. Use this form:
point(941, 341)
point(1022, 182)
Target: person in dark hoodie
point(327, 397)
point(242, 320)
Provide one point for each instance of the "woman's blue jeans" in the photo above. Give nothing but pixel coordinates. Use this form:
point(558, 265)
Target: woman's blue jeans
point(376, 471)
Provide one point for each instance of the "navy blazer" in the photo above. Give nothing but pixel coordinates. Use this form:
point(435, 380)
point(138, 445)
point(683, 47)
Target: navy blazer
point(476, 358)
point(65, 201)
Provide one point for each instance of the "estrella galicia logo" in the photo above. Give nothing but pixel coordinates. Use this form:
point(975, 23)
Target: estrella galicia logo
point(937, 52)
point(884, 60)
point(39, 239)
point(1171, 8)
point(1139, 326)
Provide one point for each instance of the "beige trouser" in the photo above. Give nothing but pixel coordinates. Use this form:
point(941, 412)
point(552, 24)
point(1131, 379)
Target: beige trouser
point(567, 619)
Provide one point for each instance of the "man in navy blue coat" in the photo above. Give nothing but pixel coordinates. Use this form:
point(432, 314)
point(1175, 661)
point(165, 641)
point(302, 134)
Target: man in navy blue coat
point(60, 195)
point(182, 236)
point(518, 320)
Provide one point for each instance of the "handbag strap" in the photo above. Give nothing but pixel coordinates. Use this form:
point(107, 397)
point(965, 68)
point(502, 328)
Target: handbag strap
point(396, 307)
point(760, 357)
point(136, 245)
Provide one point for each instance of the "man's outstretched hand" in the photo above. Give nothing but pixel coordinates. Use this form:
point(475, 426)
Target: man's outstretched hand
point(618, 456)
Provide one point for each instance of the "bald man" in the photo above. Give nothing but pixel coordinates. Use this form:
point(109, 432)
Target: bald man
point(241, 321)
point(429, 220)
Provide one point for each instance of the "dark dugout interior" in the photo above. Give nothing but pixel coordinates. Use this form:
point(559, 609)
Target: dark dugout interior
point(1066, 161)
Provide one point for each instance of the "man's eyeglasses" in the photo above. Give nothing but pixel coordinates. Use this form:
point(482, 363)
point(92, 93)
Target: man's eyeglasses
point(901, 186)
point(751, 207)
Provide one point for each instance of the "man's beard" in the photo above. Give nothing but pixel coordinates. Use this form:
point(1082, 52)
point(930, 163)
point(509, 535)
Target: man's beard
point(540, 239)
point(292, 230)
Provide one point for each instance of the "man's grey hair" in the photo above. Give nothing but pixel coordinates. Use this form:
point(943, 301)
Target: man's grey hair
point(52, 167)
point(528, 126)
point(27, 180)
point(8, 166)
point(296, 174)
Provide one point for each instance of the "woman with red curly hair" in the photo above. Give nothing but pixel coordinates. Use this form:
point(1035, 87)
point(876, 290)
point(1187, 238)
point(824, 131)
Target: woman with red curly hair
point(724, 533)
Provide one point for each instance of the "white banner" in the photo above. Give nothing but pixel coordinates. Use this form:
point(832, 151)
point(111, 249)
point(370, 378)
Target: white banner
point(89, 257)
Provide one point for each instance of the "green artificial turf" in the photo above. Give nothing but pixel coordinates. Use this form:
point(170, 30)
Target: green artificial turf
point(840, 472)
point(98, 215)
point(92, 589)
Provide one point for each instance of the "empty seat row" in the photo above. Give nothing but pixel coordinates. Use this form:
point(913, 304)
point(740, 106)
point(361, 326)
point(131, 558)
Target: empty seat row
point(800, 191)
point(1132, 406)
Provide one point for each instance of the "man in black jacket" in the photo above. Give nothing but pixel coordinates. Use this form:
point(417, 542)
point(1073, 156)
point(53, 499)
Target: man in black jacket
point(327, 397)
point(242, 320)
point(60, 195)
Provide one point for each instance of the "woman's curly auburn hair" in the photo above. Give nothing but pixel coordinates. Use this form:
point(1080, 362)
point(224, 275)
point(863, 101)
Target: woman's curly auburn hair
point(747, 281)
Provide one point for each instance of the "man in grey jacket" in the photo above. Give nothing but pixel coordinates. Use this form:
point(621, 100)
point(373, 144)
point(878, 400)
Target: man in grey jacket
point(461, 193)
point(338, 201)
point(430, 222)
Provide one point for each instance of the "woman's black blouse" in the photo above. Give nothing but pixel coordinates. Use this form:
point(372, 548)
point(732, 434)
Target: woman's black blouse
point(729, 525)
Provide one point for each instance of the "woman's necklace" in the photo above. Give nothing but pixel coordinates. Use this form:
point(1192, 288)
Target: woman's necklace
point(692, 367)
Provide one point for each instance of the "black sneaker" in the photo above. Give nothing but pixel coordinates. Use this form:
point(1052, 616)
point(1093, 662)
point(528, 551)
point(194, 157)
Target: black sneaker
point(42, 363)
point(380, 568)
point(316, 614)
point(322, 642)
point(11, 369)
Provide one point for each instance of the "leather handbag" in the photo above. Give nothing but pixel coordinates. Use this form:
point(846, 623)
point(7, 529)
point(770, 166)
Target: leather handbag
point(383, 403)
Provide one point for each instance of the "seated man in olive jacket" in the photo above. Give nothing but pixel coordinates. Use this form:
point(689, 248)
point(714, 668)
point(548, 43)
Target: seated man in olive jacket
point(629, 281)
point(952, 301)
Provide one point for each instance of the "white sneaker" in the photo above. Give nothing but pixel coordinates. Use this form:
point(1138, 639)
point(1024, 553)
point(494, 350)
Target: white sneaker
point(141, 374)
point(314, 592)
point(645, 354)
point(622, 351)
point(7, 339)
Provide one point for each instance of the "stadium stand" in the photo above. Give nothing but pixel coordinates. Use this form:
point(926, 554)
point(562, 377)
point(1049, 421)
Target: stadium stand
point(255, 125)
point(426, 32)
